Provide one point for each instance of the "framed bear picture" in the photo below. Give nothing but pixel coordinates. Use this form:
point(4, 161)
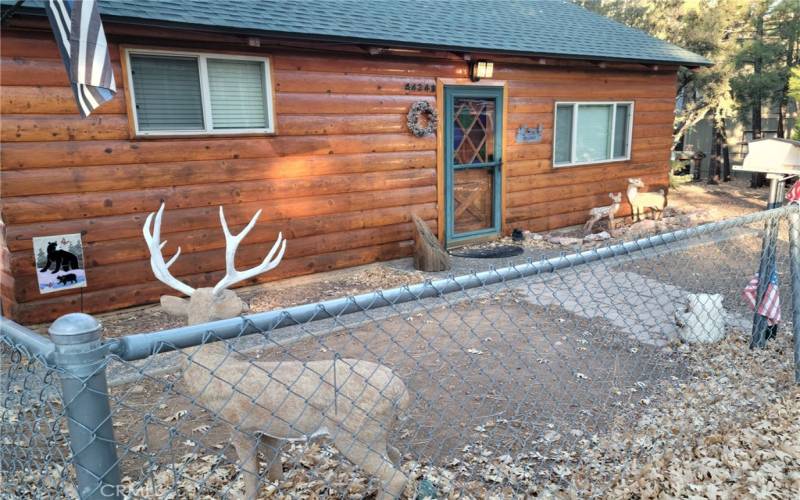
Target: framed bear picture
point(59, 262)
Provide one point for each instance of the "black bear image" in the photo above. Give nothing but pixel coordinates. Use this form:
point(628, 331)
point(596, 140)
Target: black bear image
point(67, 278)
point(61, 258)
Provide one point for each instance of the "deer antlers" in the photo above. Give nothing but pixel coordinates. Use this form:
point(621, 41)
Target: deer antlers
point(232, 243)
point(152, 236)
point(161, 268)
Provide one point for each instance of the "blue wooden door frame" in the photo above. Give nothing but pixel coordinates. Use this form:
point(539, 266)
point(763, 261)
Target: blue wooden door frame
point(450, 94)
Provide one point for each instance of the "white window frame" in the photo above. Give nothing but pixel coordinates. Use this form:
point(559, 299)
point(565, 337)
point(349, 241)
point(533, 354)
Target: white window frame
point(205, 93)
point(573, 142)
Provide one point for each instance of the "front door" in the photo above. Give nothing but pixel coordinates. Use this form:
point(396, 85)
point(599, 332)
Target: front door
point(473, 149)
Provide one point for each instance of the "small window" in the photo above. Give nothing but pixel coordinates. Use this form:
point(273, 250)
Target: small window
point(179, 93)
point(591, 133)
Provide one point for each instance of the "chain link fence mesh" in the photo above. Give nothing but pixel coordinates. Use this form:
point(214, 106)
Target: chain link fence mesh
point(509, 389)
point(35, 458)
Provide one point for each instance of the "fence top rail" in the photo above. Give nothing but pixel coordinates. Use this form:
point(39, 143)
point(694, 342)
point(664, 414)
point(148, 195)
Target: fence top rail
point(142, 345)
point(34, 343)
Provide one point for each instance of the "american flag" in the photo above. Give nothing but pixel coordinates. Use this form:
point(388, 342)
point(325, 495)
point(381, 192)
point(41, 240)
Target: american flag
point(793, 196)
point(770, 306)
point(84, 50)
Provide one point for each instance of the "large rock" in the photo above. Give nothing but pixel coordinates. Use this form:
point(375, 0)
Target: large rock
point(565, 241)
point(597, 236)
point(647, 227)
point(531, 236)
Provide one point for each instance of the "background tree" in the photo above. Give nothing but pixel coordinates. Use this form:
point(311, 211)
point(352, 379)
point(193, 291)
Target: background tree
point(752, 43)
point(784, 26)
point(794, 93)
point(763, 64)
point(708, 28)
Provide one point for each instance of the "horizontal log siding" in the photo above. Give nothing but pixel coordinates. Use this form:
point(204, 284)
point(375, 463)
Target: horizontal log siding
point(541, 197)
point(340, 178)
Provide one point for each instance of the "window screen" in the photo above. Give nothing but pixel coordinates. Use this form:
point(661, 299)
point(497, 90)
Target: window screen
point(236, 91)
point(563, 152)
point(167, 93)
point(621, 131)
point(592, 136)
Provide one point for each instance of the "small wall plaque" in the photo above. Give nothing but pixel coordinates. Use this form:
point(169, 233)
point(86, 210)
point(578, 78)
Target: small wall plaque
point(529, 135)
point(59, 262)
point(420, 87)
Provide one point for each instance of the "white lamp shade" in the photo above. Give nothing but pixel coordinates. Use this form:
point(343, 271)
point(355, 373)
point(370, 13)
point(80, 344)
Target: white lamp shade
point(773, 156)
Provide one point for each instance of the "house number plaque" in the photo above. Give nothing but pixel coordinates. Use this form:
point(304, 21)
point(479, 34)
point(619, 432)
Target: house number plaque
point(420, 87)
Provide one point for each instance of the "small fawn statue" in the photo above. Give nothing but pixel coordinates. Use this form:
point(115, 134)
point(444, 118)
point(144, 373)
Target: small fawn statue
point(608, 211)
point(355, 402)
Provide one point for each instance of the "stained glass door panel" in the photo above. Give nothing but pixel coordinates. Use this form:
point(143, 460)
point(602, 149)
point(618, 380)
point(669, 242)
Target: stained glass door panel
point(473, 130)
point(473, 190)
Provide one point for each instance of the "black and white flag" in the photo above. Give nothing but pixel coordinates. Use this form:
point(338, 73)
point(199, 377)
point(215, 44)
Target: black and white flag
point(82, 41)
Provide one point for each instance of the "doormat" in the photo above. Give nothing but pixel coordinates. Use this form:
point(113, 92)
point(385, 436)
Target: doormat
point(489, 252)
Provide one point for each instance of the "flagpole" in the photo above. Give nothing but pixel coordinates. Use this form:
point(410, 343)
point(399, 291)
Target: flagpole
point(767, 264)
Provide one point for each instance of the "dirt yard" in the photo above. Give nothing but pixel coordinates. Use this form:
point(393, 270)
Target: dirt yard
point(492, 378)
point(510, 400)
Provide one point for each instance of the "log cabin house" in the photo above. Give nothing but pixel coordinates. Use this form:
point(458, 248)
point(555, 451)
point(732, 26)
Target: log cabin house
point(300, 109)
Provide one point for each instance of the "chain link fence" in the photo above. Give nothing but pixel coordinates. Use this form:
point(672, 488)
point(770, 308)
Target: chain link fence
point(498, 383)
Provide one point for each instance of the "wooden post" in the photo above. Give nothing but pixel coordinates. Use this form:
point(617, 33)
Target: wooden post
point(428, 252)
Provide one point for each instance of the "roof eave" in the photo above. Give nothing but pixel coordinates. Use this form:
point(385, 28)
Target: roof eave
point(156, 23)
point(398, 44)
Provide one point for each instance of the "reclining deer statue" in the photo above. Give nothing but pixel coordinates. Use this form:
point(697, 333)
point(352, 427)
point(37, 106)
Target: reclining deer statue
point(355, 402)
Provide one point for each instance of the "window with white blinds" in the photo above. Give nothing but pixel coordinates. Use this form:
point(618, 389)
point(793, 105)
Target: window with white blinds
point(592, 132)
point(191, 93)
point(236, 91)
point(167, 92)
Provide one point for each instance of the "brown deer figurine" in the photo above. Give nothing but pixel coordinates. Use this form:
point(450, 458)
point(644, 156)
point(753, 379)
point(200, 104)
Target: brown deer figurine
point(355, 402)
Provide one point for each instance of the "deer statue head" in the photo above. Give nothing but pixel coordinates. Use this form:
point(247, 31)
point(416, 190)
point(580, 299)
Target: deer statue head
point(636, 182)
point(206, 304)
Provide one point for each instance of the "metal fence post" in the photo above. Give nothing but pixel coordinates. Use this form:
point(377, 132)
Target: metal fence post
point(767, 265)
point(794, 270)
point(81, 362)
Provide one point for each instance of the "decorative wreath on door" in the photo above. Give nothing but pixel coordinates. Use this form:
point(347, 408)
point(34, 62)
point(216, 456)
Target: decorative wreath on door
point(418, 109)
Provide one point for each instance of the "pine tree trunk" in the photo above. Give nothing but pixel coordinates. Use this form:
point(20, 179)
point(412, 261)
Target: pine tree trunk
point(757, 179)
point(717, 141)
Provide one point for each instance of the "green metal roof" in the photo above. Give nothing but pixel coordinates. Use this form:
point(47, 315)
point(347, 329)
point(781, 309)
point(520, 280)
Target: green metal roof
point(530, 27)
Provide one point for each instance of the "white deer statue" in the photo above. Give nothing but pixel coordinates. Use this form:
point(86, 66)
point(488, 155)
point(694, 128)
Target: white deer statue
point(642, 201)
point(355, 402)
point(597, 213)
point(702, 320)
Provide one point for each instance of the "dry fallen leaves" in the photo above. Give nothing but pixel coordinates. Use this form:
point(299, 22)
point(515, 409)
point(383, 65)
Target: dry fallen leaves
point(730, 429)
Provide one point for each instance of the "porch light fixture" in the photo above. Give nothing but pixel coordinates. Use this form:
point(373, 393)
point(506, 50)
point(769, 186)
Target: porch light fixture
point(480, 69)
